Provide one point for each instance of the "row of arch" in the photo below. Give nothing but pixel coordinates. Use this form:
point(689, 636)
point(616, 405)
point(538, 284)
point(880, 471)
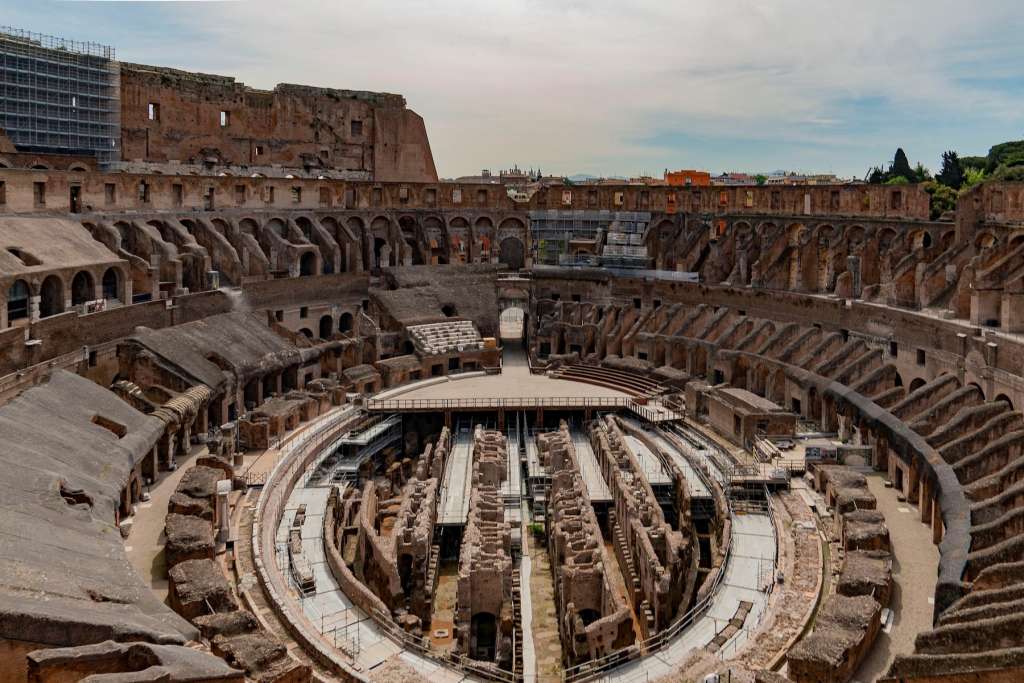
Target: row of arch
point(51, 293)
point(326, 327)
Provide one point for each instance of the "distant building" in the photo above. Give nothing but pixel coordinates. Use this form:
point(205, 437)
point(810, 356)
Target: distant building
point(734, 179)
point(688, 178)
point(803, 179)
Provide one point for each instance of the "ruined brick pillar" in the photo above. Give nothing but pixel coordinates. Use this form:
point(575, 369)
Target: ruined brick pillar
point(853, 267)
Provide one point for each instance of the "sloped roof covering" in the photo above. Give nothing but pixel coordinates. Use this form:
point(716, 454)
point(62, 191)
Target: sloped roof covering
point(54, 242)
point(64, 575)
point(240, 341)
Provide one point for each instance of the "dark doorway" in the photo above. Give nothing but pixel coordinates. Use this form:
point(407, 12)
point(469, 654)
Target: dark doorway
point(484, 628)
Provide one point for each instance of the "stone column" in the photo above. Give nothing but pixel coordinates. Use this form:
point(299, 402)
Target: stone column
point(222, 512)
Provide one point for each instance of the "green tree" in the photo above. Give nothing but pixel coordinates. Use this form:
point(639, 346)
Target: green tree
point(952, 174)
point(942, 198)
point(898, 180)
point(901, 165)
point(921, 174)
point(761, 178)
point(972, 176)
point(876, 176)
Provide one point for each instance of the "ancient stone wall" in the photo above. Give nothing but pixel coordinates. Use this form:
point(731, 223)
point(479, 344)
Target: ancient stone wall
point(202, 119)
point(593, 620)
point(484, 620)
point(662, 560)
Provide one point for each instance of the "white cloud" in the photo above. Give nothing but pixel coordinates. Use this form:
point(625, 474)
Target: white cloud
point(574, 86)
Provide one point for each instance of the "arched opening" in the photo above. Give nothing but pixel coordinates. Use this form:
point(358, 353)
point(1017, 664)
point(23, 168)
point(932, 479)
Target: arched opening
point(345, 322)
point(449, 310)
point(111, 284)
point(405, 572)
point(1005, 399)
point(326, 327)
point(307, 264)
point(589, 616)
point(512, 323)
point(51, 297)
point(308, 332)
point(380, 253)
point(82, 288)
point(484, 628)
point(17, 301)
point(512, 253)
point(916, 384)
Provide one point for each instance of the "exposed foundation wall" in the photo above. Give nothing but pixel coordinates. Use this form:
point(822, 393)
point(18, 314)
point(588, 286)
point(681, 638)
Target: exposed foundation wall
point(592, 619)
point(483, 605)
point(664, 558)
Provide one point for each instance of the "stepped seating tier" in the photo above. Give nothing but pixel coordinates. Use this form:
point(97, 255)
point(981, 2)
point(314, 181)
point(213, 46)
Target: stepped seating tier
point(447, 337)
point(626, 382)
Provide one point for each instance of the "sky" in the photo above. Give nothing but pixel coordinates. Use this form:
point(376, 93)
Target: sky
point(614, 88)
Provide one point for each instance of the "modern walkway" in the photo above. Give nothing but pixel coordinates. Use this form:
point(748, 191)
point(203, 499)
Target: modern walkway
point(526, 605)
point(914, 572)
point(750, 566)
point(694, 482)
point(457, 481)
point(343, 624)
point(649, 462)
point(590, 470)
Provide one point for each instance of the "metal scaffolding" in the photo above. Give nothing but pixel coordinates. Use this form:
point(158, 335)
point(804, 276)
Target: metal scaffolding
point(59, 96)
point(590, 238)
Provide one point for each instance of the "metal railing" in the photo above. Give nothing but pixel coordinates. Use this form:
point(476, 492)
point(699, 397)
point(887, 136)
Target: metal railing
point(398, 404)
point(592, 668)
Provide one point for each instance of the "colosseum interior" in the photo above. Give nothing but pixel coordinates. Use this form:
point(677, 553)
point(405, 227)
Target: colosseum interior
point(350, 422)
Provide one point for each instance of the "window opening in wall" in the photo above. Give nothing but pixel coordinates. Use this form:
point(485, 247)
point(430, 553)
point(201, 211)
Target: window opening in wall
point(896, 199)
point(920, 357)
point(456, 195)
point(240, 194)
point(481, 196)
point(637, 303)
point(576, 298)
point(177, 194)
point(116, 428)
point(144, 192)
point(279, 316)
point(270, 194)
point(325, 196)
point(225, 119)
point(892, 348)
point(17, 301)
point(153, 111)
point(259, 150)
point(110, 193)
point(304, 312)
point(208, 198)
point(356, 127)
point(431, 196)
point(296, 195)
point(377, 195)
point(3, 192)
point(74, 198)
point(92, 359)
point(39, 193)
